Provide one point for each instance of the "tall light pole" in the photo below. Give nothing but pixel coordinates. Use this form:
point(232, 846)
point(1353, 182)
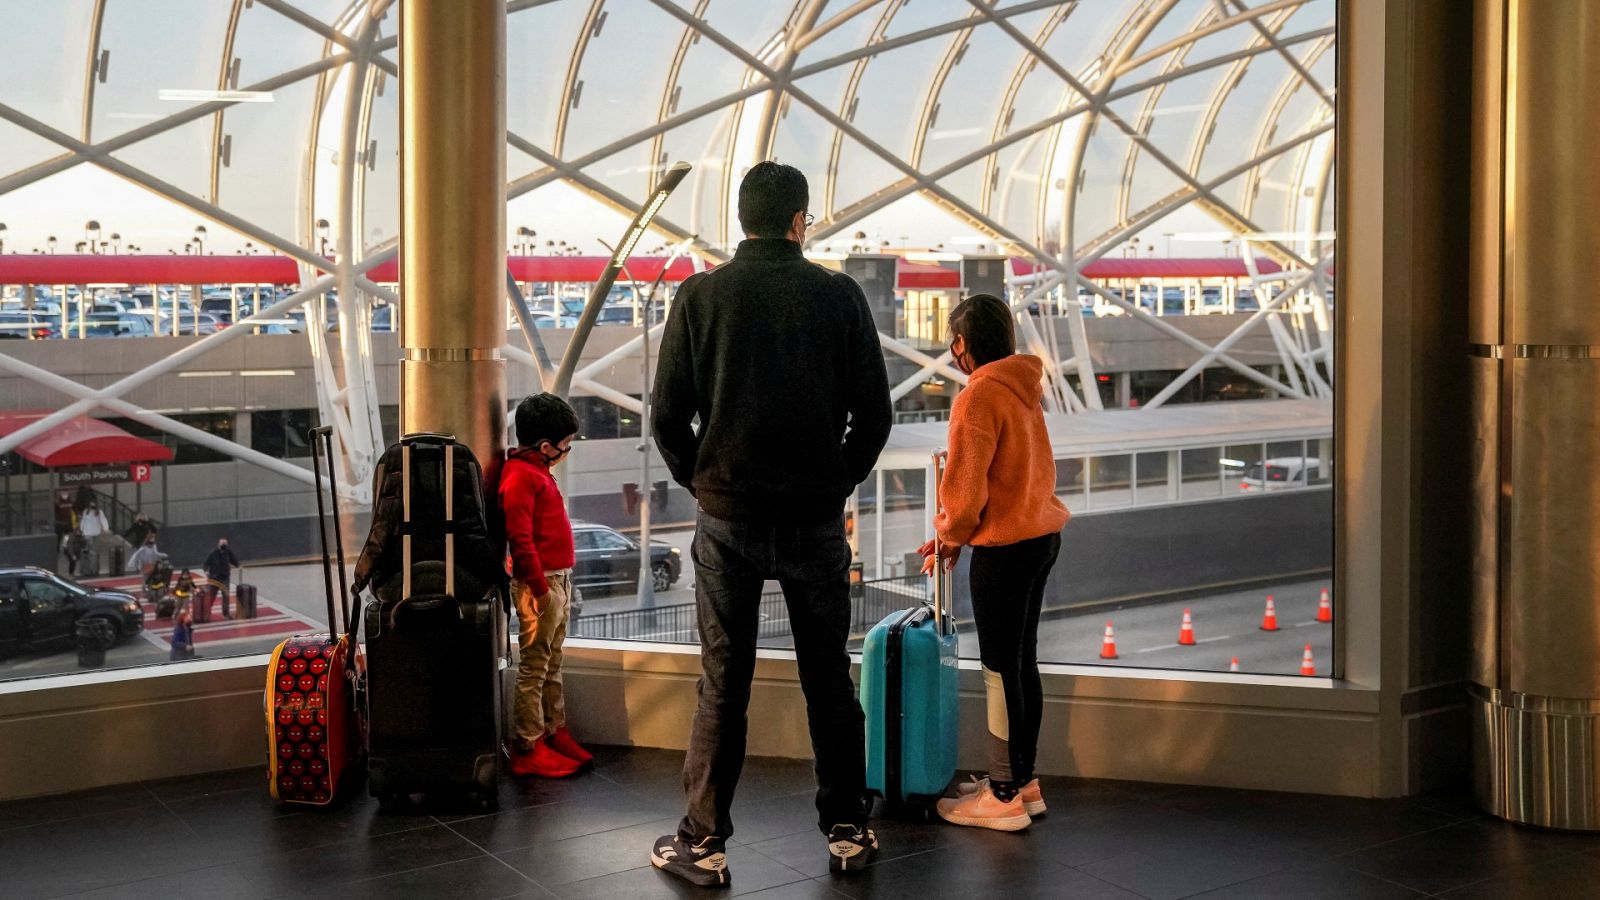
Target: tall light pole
point(597, 295)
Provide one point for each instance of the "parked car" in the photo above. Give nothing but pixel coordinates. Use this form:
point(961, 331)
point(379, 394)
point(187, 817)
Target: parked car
point(112, 325)
point(221, 308)
point(608, 561)
point(39, 609)
point(615, 315)
point(27, 325)
point(1281, 473)
point(202, 324)
point(545, 320)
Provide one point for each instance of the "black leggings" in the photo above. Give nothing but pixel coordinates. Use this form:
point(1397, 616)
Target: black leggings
point(1007, 592)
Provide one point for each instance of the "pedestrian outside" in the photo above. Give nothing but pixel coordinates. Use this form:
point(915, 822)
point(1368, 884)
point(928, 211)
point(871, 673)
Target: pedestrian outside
point(219, 566)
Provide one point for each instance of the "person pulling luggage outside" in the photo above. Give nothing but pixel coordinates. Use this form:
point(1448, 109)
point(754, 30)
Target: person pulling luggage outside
point(219, 566)
point(96, 530)
point(999, 498)
point(779, 358)
point(146, 560)
point(540, 540)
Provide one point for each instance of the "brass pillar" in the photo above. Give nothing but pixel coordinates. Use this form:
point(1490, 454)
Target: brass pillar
point(452, 221)
point(1536, 381)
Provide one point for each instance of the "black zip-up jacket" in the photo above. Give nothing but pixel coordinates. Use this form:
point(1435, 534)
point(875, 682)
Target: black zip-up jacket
point(779, 359)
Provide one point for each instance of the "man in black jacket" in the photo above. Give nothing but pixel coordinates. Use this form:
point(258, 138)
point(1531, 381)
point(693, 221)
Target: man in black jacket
point(219, 566)
point(779, 360)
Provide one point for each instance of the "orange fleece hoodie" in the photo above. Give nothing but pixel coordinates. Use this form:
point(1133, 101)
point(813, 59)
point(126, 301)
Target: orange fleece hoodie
point(999, 486)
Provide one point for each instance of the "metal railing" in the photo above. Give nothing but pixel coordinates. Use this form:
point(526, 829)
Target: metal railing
point(678, 623)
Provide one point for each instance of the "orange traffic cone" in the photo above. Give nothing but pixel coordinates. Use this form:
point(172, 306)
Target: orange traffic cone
point(1186, 633)
point(1108, 647)
point(1233, 664)
point(1269, 620)
point(1307, 665)
point(1324, 608)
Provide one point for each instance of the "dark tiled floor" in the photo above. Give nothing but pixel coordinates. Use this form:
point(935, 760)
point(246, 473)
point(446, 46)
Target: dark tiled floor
point(219, 836)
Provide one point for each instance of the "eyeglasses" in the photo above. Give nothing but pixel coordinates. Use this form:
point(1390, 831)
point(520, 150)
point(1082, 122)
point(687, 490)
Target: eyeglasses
point(810, 220)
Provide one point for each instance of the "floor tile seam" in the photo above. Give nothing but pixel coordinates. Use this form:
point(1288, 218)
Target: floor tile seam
point(1103, 881)
point(1275, 870)
point(1464, 885)
point(171, 812)
point(826, 881)
point(300, 894)
point(485, 851)
point(139, 880)
point(325, 845)
point(501, 812)
point(1397, 840)
point(570, 837)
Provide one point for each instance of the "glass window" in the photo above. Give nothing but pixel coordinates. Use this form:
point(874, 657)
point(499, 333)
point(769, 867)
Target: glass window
point(44, 595)
point(608, 540)
point(585, 539)
point(1152, 484)
point(1110, 481)
point(951, 139)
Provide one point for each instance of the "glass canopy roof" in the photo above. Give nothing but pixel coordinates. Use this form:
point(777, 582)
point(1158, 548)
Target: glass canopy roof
point(1040, 128)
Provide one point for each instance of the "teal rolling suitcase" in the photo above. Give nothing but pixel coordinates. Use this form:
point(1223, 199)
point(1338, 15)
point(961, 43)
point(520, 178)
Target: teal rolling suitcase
point(908, 692)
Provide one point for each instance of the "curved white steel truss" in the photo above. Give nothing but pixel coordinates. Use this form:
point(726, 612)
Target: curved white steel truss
point(1042, 160)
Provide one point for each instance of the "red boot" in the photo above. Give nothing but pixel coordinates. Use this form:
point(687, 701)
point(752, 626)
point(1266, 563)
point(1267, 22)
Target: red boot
point(543, 761)
point(563, 743)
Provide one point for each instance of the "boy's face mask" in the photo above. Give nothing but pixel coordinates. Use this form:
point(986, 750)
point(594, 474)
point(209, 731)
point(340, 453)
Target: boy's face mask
point(561, 450)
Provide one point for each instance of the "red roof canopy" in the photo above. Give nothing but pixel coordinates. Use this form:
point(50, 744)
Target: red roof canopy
point(926, 276)
point(1115, 267)
point(16, 268)
point(82, 442)
point(37, 268)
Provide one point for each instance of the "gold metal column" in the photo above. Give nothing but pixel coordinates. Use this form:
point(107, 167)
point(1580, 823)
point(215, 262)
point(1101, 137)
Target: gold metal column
point(452, 221)
point(1536, 377)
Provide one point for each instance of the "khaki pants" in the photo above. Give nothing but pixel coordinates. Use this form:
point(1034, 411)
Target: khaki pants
point(541, 709)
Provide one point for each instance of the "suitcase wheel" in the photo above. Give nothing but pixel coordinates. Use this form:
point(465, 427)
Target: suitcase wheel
point(483, 802)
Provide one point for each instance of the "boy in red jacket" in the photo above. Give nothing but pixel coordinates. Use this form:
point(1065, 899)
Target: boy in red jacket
point(540, 540)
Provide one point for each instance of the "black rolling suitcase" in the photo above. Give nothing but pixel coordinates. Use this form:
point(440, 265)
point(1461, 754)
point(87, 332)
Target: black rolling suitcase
point(436, 629)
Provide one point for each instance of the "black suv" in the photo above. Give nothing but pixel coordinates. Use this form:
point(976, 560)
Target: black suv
point(608, 562)
point(39, 608)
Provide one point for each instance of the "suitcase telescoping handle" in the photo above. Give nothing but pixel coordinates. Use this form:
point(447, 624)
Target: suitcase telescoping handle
point(941, 602)
point(322, 452)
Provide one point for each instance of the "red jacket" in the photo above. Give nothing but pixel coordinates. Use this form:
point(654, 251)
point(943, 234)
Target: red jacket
point(537, 530)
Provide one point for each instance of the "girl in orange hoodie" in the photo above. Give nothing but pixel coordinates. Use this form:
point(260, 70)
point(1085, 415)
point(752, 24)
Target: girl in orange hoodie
point(999, 497)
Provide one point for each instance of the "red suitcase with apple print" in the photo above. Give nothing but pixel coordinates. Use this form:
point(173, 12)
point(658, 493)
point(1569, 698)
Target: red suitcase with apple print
point(316, 734)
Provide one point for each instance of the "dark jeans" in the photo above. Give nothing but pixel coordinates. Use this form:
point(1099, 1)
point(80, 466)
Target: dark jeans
point(812, 563)
point(1007, 592)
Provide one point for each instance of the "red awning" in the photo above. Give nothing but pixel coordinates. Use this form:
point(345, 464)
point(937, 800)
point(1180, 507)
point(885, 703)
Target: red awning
point(16, 268)
point(82, 442)
point(918, 276)
point(1116, 267)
